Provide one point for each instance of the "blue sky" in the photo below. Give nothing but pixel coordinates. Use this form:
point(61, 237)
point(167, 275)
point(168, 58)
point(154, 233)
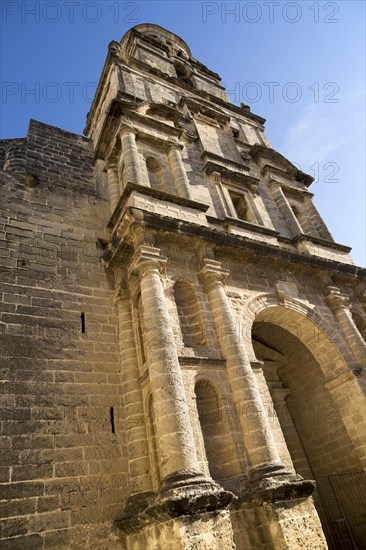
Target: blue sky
point(300, 64)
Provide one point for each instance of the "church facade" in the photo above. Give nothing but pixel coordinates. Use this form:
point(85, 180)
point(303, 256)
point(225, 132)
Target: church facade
point(183, 342)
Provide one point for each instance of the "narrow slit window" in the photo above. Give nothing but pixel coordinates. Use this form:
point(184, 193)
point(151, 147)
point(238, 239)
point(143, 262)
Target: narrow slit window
point(82, 318)
point(111, 414)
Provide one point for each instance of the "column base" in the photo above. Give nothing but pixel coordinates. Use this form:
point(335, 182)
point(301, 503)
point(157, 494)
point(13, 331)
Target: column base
point(181, 494)
point(273, 482)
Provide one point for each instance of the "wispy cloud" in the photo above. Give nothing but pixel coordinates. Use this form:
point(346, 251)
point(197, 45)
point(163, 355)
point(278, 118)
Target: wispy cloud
point(320, 130)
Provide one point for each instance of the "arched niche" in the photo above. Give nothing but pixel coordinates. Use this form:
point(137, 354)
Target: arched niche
point(220, 449)
point(190, 319)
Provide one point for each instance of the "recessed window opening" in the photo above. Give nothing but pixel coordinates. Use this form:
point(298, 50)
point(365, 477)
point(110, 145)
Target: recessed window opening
point(301, 217)
point(296, 210)
point(241, 206)
point(183, 73)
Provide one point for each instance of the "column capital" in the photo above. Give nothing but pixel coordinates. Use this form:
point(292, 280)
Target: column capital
point(279, 395)
point(127, 128)
point(147, 259)
point(213, 272)
point(336, 299)
point(274, 183)
point(173, 146)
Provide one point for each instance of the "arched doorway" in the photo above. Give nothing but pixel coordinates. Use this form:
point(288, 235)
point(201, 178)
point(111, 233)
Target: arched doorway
point(307, 378)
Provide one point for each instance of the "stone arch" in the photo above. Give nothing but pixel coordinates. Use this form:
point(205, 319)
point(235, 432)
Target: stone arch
point(189, 314)
point(303, 322)
point(219, 444)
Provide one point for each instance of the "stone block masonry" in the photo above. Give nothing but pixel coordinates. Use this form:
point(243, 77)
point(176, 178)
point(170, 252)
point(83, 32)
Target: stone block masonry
point(59, 347)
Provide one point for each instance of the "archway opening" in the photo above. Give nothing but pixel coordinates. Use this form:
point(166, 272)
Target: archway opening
point(311, 423)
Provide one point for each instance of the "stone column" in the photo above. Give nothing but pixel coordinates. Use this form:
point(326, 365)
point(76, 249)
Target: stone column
point(130, 156)
point(113, 183)
point(176, 447)
point(285, 208)
point(339, 304)
point(179, 172)
point(262, 453)
point(135, 423)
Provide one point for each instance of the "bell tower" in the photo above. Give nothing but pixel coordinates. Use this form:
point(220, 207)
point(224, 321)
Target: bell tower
point(221, 265)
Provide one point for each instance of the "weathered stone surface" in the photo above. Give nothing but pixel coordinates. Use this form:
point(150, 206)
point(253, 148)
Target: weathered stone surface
point(182, 341)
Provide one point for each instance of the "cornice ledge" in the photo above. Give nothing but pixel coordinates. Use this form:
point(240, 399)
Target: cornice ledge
point(228, 220)
point(155, 194)
point(322, 242)
point(216, 236)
